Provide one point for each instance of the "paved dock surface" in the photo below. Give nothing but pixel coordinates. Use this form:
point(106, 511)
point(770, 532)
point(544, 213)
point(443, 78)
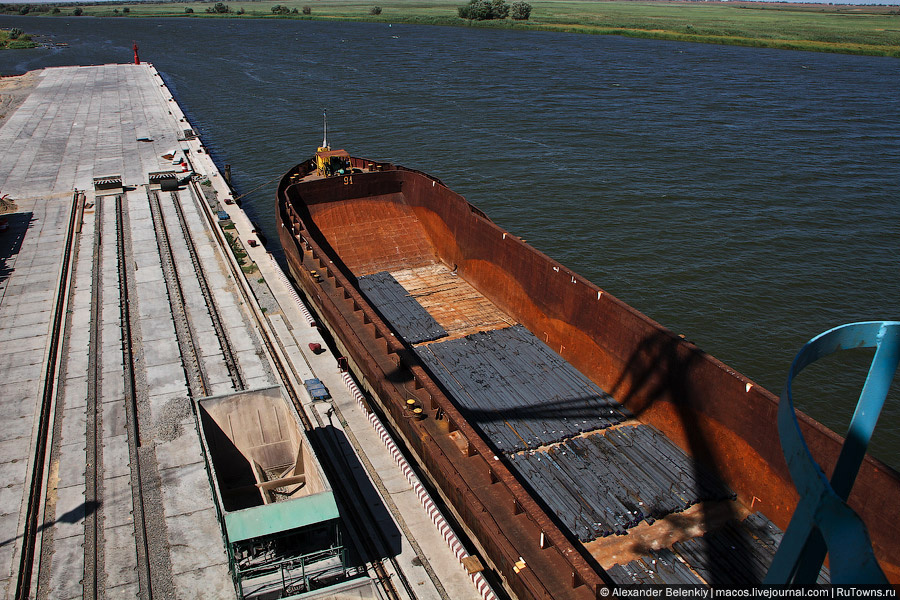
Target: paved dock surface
point(119, 504)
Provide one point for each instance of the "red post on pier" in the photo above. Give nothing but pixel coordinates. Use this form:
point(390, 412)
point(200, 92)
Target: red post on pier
point(137, 60)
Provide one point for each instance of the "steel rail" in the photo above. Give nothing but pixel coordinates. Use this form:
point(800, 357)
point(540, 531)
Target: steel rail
point(237, 379)
point(198, 383)
point(48, 396)
point(351, 496)
point(93, 422)
point(284, 372)
point(364, 533)
point(142, 544)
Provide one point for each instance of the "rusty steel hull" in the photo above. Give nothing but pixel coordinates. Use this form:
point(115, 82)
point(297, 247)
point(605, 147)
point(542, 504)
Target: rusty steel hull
point(713, 413)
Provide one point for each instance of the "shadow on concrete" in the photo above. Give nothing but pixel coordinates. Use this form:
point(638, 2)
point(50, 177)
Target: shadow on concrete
point(73, 516)
point(369, 530)
point(11, 240)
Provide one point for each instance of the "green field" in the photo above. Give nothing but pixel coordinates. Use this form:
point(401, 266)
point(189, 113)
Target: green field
point(872, 30)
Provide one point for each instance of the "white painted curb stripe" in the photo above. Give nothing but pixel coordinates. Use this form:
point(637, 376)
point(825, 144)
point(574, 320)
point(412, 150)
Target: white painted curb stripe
point(293, 293)
point(436, 517)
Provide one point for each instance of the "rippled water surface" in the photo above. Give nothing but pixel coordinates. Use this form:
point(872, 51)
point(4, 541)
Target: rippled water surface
point(746, 198)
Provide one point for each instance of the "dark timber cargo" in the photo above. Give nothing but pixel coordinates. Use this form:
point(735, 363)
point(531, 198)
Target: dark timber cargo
point(577, 441)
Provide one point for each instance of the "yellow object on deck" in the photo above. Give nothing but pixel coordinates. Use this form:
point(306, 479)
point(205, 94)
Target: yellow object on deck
point(331, 162)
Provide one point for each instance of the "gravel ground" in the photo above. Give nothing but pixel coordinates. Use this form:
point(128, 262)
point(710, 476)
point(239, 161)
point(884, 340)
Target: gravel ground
point(257, 283)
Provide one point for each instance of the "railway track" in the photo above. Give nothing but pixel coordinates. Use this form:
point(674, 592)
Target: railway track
point(194, 372)
point(231, 363)
point(93, 476)
point(142, 543)
point(104, 258)
point(372, 540)
point(192, 361)
point(37, 476)
point(110, 244)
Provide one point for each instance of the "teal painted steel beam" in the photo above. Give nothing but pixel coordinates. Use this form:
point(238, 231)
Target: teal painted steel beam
point(268, 519)
point(823, 522)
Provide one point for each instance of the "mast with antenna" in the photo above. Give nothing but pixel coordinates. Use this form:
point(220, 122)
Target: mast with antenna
point(325, 124)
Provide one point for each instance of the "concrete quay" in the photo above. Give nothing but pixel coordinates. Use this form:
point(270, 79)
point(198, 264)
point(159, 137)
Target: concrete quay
point(103, 480)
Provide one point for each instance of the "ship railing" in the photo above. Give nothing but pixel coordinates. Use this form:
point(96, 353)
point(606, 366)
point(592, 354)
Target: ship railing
point(823, 522)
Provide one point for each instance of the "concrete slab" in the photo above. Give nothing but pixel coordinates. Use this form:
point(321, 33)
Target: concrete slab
point(30, 298)
point(33, 318)
point(185, 490)
point(118, 504)
point(16, 376)
point(116, 459)
point(20, 308)
point(143, 234)
point(153, 308)
point(258, 382)
point(70, 512)
point(218, 378)
point(8, 522)
point(15, 428)
point(128, 590)
point(113, 419)
point(209, 342)
point(224, 295)
point(18, 403)
point(73, 425)
point(67, 569)
point(75, 391)
point(166, 379)
point(120, 558)
point(112, 386)
point(72, 459)
point(157, 330)
point(14, 456)
point(148, 275)
point(182, 451)
point(77, 363)
point(111, 330)
point(212, 582)
point(184, 532)
point(80, 332)
point(9, 498)
point(146, 258)
point(252, 365)
point(26, 345)
point(160, 355)
point(11, 335)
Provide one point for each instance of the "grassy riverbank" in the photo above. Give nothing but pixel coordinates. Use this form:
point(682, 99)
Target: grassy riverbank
point(14, 41)
point(871, 30)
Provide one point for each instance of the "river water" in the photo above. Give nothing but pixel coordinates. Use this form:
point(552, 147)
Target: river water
point(747, 198)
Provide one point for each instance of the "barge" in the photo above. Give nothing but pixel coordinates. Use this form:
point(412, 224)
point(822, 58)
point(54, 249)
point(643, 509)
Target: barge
point(577, 442)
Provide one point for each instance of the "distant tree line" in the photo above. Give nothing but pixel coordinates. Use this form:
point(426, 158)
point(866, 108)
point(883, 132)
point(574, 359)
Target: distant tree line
point(24, 9)
point(484, 10)
point(284, 10)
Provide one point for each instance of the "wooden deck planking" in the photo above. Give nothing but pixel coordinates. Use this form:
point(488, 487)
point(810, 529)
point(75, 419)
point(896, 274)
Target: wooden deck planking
point(458, 307)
